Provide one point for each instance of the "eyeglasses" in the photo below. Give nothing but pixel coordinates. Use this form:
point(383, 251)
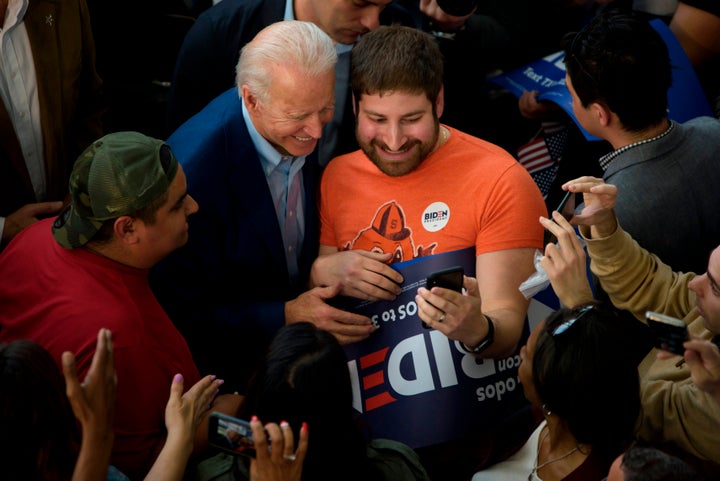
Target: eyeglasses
point(564, 326)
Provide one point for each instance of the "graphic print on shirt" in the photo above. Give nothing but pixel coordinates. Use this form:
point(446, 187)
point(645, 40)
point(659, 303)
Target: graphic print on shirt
point(389, 233)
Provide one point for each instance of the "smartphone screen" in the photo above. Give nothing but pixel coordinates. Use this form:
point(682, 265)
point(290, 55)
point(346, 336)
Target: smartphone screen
point(231, 434)
point(670, 333)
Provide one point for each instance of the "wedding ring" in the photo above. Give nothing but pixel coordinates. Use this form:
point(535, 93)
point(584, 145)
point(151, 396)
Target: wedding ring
point(289, 457)
point(442, 318)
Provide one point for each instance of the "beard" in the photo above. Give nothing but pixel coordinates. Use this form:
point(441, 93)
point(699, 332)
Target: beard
point(417, 150)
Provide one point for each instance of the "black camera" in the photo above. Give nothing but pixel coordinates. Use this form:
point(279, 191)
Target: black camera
point(457, 8)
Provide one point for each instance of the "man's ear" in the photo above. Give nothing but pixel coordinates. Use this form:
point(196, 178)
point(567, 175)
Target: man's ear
point(250, 100)
point(125, 229)
point(603, 115)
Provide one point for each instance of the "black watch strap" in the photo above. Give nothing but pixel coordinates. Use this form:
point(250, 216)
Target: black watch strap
point(485, 342)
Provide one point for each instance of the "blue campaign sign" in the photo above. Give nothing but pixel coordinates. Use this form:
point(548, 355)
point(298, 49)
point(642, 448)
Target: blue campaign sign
point(415, 385)
point(686, 99)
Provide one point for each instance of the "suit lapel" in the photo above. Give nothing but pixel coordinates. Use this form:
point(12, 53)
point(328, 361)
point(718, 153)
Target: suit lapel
point(253, 195)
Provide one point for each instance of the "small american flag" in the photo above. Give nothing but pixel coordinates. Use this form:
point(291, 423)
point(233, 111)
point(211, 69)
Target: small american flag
point(541, 156)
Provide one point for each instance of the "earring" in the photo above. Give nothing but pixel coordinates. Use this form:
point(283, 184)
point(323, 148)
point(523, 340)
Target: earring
point(546, 411)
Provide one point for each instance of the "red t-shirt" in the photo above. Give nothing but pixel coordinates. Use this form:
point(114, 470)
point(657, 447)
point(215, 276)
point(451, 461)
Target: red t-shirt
point(61, 298)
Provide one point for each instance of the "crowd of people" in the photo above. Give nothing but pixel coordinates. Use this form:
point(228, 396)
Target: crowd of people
point(310, 145)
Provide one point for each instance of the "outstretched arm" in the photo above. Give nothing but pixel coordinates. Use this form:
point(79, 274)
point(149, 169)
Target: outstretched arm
point(492, 297)
point(183, 414)
point(93, 403)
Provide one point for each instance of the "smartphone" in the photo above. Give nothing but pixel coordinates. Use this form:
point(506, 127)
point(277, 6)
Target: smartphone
point(670, 332)
point(450, 278)
point(567, 209)
point(567, 205)
point(230, 434)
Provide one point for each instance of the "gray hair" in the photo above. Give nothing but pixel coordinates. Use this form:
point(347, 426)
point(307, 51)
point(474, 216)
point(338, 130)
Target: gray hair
point(291, 42)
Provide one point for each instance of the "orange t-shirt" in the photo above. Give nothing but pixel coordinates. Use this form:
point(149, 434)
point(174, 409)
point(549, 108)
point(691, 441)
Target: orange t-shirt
point(468, 192)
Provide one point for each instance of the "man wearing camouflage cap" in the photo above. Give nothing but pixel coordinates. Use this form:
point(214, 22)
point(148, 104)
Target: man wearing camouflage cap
point(63, 279)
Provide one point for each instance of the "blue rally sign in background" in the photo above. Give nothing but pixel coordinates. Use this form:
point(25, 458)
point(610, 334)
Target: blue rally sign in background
point(415, 385)
point(686, 99)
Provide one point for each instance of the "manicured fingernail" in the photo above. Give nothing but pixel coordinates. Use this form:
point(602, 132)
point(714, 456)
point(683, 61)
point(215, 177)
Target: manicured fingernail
point(284, 424)
point(177, 378)
point(304, 427)
point(254, 419)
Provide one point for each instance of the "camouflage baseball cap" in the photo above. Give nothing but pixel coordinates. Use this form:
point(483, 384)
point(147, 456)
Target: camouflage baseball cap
point(117, 175)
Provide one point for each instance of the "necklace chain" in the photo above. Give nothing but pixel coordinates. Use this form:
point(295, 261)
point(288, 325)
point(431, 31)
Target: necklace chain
point(537, 466)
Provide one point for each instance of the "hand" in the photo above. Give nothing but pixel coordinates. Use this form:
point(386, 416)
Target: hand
point(185, 412)
point(281, 462)
point(703, 359)
point(27, 215)
point(599, 201)
point(565, 263)
point(310, 306)
point(183, 415)
point(463, 318)
point(444, 21)
point(531, 109)
point(362, 274)
point(93, 401)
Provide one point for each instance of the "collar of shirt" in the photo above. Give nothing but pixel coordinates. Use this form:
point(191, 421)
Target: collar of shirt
point(607, 158)
point(14, 15)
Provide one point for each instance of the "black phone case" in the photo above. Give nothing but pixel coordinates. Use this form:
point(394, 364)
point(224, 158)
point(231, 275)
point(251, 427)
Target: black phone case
point(668, 337)
point(450, 278)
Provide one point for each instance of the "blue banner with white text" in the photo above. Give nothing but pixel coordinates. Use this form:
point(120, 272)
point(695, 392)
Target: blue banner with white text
point(415, 385)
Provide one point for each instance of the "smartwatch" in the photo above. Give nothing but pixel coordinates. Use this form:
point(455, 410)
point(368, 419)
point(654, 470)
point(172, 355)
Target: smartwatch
point(485, 342)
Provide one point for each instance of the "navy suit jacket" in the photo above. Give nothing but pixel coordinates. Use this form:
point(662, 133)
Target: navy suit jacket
point(229, 283)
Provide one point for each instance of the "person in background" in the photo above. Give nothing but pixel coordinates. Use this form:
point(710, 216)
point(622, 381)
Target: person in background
point(303, 380)
point(696, 24)
point(675, 413)
point(589, 407)
point(206, 63)
point(50, 108)
point(40, 437)
point(251, 160)
point(645, 463)
point(63, 279)
point(618, 75)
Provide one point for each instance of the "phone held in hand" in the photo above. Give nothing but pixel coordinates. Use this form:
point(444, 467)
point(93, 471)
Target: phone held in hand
point(450, 278)
point(670, 332)
point(567, 209)
point(567, 205)
point(231, 434)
